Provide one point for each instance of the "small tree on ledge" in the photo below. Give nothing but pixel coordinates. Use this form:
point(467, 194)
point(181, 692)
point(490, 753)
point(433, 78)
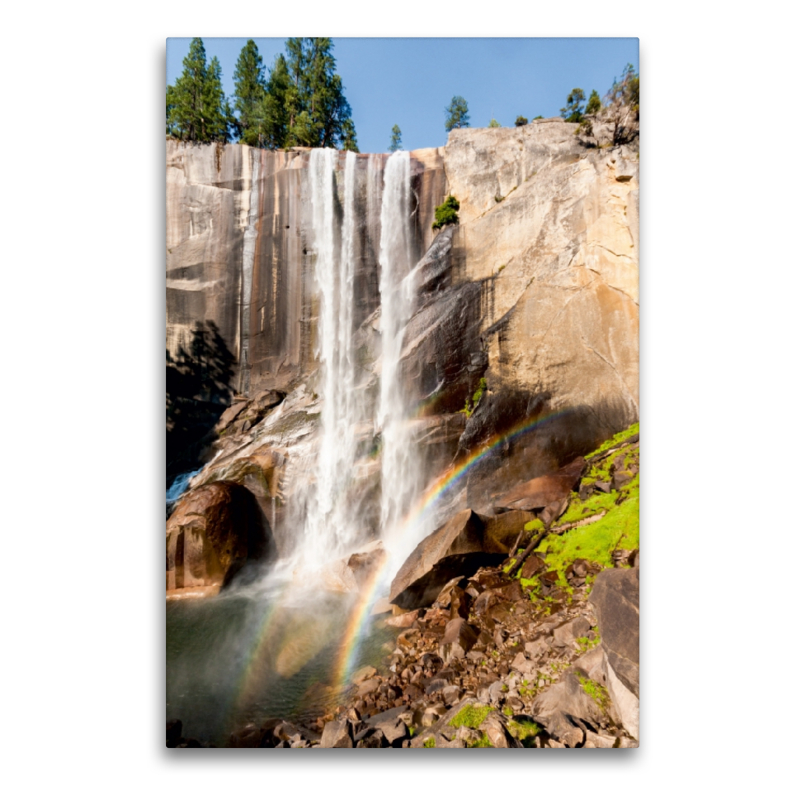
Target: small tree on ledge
point(446, 213)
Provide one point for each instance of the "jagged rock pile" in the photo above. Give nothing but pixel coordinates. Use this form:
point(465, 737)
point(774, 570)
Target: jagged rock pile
point(539, 650)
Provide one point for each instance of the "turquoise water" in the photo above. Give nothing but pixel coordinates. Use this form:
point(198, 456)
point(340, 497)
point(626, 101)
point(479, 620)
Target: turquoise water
point(244, 657)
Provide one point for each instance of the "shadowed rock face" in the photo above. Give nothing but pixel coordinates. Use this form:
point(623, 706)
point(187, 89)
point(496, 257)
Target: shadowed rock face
point(443, 359)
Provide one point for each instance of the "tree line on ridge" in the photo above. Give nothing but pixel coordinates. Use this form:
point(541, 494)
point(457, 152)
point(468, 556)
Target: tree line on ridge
point(300, 103)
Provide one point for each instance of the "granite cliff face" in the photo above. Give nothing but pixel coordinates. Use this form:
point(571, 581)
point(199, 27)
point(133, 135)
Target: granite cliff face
point(535, 291)
point(238, 251)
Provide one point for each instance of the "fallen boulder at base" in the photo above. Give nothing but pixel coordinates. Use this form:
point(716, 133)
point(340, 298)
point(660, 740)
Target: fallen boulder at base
point(215, 532)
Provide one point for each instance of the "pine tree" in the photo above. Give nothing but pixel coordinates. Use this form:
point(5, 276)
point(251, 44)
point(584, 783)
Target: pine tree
point(318, 112)
point(493, 123)
point(594, 104)
point(251, 89)
point(275, 109)
point(396, 142)
point(349, 140)
point(573, 112)
point(218, 113)
point(457, 114)
point(197, 110)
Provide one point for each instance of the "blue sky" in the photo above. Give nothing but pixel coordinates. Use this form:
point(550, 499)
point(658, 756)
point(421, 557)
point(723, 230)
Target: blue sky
point(411, 81)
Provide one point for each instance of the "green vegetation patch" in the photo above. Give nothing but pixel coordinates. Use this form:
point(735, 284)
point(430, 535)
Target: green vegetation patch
point(615, 439)
point(597, 692)
point(618, 529)
point(482, 741)
point(470, 717)
point(534, 525)
point(524, 730)
point(598, 503)
point(469, 409)
point(446, 213)
point(431, 742)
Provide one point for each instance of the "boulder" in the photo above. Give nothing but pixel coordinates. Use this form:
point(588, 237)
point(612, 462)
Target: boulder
point(593, 664)
point(547, 491)
point(393, 728)
point(497, 733)
point(615, 597)
point(337, 733)
point(532, 566)
point(459, 547)
point(215, 532)
point(566, 634)
point(459, 638)
point(371, 737)
point(565, 710)
point(536, 649)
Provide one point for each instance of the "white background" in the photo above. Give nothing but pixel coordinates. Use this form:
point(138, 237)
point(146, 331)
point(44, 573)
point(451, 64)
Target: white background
point(82, 437)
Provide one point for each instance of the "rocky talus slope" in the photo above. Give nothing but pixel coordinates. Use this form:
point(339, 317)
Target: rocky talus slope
point(518, 629)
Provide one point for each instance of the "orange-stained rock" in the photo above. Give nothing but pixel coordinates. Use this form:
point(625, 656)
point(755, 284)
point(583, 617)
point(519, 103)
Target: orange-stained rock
point(214, 532)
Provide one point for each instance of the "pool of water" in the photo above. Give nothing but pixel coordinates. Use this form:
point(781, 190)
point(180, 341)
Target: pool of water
point(268, 651)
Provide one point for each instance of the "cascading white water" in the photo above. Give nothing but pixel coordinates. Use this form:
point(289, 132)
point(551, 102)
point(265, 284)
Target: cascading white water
point(400, 473)
point(330, 524)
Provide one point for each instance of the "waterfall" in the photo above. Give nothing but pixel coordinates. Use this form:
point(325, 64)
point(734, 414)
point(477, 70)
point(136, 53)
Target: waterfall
point(399, 468)
point(332, 519)
point(330, 524)
point(248, 257)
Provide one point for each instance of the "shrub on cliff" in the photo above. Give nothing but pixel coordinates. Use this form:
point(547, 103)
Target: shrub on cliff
point(446, 213)
point(520, 121)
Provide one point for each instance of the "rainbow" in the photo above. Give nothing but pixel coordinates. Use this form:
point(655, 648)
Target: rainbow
point(452, 476)
point(357, 624)
point(257, 650)
point(358, 619)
